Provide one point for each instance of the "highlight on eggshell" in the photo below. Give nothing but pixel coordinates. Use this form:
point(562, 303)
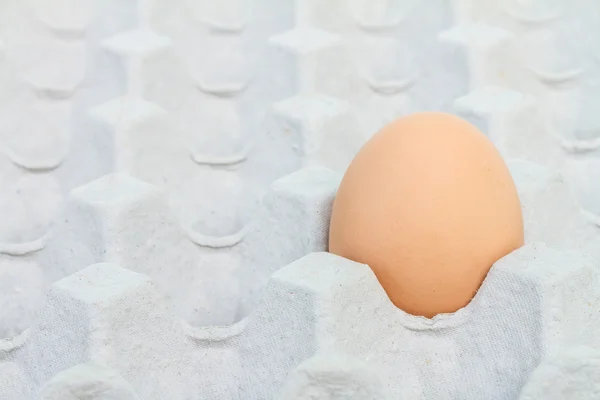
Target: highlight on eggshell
point(430, 205)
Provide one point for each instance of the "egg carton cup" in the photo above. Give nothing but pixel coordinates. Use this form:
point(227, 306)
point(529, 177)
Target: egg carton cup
point(322, 325)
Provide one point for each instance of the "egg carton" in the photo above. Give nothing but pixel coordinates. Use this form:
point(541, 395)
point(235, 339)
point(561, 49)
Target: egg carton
point(323, 325)
point(124, 144)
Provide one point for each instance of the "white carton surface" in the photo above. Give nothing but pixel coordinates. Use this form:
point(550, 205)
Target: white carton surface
point(167, 171)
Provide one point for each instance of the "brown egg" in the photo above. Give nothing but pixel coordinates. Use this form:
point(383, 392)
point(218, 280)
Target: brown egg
point(429, 204)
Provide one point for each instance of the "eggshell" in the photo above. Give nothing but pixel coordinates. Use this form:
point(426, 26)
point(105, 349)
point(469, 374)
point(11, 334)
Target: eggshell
point(429, 204)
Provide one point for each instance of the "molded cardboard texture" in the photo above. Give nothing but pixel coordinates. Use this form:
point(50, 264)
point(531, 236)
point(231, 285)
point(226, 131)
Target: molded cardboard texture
point(167, 171)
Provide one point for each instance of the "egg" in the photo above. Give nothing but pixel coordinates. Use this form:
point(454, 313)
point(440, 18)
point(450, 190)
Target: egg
point(429, 204)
